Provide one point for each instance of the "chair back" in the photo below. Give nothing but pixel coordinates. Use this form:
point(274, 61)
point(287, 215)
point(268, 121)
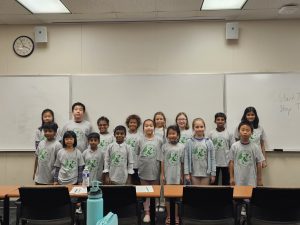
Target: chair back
point(120, 200)
point(207, 203)
point(275, 204)
point(45, 203)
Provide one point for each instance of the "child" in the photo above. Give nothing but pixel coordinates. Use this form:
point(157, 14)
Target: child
point(81, 127)
point(183, 124)
point(159, 120)
point(105, 137)
point(222, 141)
point(246, 159)
point(94, 158)
point(47, 117)
point(69, 162)
point(258, 136)
point(46, 155)
point(172, 163)
point(133, 122)
point(118, 159)
point(199, 157)
point(149, 153)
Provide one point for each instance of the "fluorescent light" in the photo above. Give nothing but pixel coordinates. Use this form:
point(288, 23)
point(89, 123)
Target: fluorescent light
point(222, 4)
point(44, 6)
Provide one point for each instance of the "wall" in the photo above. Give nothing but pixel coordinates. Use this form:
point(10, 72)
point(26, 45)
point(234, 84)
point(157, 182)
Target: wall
point(155, 48)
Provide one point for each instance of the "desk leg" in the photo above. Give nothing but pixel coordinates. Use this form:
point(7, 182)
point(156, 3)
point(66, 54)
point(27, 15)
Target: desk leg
point(172, 211)
point(152, 211)
point(6, 210)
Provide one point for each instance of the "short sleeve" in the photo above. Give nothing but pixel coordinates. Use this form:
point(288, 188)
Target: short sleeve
point(80, 158)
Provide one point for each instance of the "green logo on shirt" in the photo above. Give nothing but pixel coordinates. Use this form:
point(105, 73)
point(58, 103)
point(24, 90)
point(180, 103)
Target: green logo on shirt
point(183, 140)
point(199, 152)
point(79, 134)
point(103, 144)
point(244, 158)
point(218, 143)
point(91, 164)
point(131, 142)
point(253, 137)
point(173, 158)
point(116, 159)
point(148, 151)
point(69, 164)
point(43, 154)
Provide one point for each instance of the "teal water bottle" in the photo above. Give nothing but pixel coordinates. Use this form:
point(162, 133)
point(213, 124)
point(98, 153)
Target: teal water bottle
point(94, 204)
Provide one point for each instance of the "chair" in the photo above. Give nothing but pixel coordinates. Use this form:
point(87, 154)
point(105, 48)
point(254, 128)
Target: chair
point(122, 200)
point(212, 205)
point(45, 204)
point(275, 205)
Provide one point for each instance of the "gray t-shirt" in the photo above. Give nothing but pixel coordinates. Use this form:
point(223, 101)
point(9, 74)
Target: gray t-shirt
point(132, 140)
point(185, 135)
point(39, 135)
point(94, 161)
point(105, 140)
point(68, 162)
point(173, 158)
point(82, 130)
point(161, 133)
point(118, 162)
point(245, 158)
point(222, 142)
point(46, 153)
point(149, 154)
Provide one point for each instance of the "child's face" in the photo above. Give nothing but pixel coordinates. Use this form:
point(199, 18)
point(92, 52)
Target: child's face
point(148, 128)
point(132, 125)
point(69, 142)
point(47, 117)
point(220, 121)
point(245, 132)
point(250, 116)
point(49, 134)
point(172, 136)
point(181, 121)
point(120, 136)
point(199, 128)
point(159, 121)
point(78, 113)
point(93, 142)
point(102, 126)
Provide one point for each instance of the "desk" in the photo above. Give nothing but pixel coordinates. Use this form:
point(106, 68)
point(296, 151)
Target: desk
point(176, 191)
point(4, 191)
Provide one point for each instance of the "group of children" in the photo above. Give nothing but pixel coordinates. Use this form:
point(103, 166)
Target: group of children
point(172, 155)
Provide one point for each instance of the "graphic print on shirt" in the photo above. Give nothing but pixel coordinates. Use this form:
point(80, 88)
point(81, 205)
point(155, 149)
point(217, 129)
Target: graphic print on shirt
point(43, 154)
point(131, 142)
point(79, 134)
point(173, 158)
point(199, 152)
point(103, 144)
point(244, 158)
point(91, 164)
point(218, 143)
point(148, 151)
point(117, 159)
point(183, 139)
point(253, 137)
point(69, 164)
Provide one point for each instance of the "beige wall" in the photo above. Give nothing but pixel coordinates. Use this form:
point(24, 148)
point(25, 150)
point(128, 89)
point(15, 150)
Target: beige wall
point(155, 48)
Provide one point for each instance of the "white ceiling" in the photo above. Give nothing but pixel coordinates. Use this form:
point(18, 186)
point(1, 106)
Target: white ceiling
point(143, 10)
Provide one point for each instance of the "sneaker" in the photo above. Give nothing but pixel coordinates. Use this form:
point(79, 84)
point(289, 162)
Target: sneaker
point(146, 218)
point(78, 210)
point(243, 211)
point(161, 209)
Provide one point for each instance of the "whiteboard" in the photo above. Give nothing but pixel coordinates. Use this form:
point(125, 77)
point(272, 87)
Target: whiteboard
point(118, 96)
point(276, 98)
point(22, 100)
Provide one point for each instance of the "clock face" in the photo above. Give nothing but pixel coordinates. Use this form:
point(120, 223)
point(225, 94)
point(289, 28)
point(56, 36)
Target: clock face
point(23, 46)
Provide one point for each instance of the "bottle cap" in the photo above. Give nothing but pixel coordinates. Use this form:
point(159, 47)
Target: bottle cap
point(95, 190)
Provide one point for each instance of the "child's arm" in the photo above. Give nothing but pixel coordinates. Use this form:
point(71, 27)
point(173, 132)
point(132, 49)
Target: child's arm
point(162, 172)
point(263, 149)
point(212, 162)
point(259, 174)
point(129, 165)
point(79, 178)
point(231, 172)
point(106, 166)
point(181, 173)
point(56, 175)
point(35, 167)
point(187, 162)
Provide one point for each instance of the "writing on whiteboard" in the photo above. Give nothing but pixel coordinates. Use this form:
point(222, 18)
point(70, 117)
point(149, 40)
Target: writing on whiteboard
point(289, 102)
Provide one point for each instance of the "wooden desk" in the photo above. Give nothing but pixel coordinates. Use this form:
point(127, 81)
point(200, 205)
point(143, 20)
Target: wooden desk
point(176, 191)
point(4, 191)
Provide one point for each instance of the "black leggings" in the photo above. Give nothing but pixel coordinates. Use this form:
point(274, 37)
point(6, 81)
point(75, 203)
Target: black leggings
point(225, 175)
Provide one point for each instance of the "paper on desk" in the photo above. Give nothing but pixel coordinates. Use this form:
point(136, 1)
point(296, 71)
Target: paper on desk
point(144, 188)
point(78, 190)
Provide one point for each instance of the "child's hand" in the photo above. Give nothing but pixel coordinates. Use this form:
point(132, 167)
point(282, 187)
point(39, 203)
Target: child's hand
point(264, 164)
point(187, 177)
point(232, 182)
point(55, 183)
point(128, 179)
point(212, 179)
point(163, 179)
point(33, 176)
point(107, 179)
point(181, 180)
point(259, 182)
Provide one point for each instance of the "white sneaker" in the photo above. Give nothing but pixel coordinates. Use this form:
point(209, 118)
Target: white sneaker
point(78, 210)
point(243, 211)
point(161, 209)
point(146, 218)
